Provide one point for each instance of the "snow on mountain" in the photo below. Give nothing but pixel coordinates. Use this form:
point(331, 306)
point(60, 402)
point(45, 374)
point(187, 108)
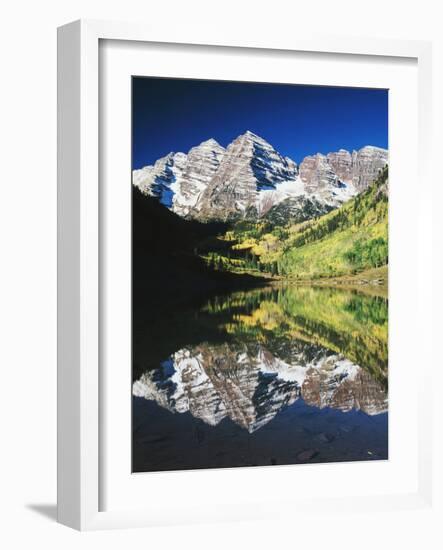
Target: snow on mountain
point(251, 179)
point(202, 162)
point(284, 190)
point(162, 179)
point(251, 385)
point(178, 180)
point(249, 167)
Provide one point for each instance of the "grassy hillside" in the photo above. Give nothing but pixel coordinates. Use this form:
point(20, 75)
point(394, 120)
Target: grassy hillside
point(346, 241)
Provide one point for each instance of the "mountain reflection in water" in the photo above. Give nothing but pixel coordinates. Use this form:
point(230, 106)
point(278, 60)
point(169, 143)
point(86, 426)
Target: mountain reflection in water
point(250, 386)
point(260, 352)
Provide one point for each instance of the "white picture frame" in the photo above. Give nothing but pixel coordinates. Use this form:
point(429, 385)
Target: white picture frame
point(79, 262)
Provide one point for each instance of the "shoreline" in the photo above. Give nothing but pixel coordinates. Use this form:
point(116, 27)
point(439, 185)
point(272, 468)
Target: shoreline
point(371, 281)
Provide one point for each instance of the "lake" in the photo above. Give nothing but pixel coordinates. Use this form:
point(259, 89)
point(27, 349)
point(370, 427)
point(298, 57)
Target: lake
point(283, 374)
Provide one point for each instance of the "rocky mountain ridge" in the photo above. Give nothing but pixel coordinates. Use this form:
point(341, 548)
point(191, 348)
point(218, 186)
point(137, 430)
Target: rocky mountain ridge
point(251, 179)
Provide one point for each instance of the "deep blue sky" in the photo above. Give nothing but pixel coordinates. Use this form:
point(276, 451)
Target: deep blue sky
point(174, 115)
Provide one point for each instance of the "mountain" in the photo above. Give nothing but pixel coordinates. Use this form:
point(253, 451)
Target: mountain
point(250, 167)
point(359, 168)
point(338, 176)
point(250, 179)
point(250, 385)
point(296, 209)
point(178, 180)
point(160, 181)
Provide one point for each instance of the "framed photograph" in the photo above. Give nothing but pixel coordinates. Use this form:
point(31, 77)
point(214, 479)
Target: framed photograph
point(241, 262)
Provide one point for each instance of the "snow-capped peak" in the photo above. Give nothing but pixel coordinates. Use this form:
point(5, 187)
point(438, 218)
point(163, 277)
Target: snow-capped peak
point(211, 143)
point(250, 137)
point(250, 175)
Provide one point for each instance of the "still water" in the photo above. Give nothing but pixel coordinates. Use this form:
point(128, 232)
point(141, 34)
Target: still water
point(278, 375)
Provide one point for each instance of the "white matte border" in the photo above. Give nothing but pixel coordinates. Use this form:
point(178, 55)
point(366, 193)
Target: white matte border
point(399, 475)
